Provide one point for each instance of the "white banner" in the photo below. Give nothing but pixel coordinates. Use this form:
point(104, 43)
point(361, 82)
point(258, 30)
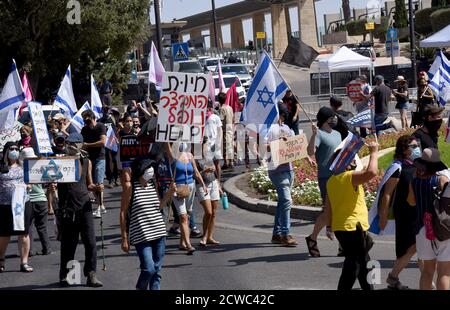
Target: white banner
point(18, 207)
point(12, 134)
point(182, 107)
point(294, 148)
point(40, 128)
point(51, 170)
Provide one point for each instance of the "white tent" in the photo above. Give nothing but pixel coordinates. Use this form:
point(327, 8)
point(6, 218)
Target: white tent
point(439, 39)
point(344, 59)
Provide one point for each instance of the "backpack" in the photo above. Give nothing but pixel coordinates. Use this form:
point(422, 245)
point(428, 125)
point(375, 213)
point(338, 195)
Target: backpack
point(441, 214)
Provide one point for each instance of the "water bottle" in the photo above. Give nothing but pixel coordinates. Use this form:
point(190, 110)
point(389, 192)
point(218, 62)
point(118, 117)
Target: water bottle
point(224, 201)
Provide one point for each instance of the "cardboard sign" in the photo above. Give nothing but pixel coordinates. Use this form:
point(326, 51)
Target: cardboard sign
point(40, 128)
point(51, 170)
point(182, 107)
point(131, 147)
point(12, 134)
point(354, 91)
point(294, 148)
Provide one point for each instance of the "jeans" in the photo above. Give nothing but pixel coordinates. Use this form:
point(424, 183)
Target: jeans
point(295, 127)
point(379, 120)
point(151, 256)
point(98, 171)
point(283, 183)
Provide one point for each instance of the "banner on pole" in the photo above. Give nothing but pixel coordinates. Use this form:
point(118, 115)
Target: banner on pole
point(182, 107)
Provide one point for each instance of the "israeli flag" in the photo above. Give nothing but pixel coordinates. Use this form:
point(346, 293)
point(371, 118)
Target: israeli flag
point(439, 61)
point(111, 140)
point(440, 85)
point(362, 119)
point(267, 88)
point(11, 98)
point(65, 98)
point(96, 102)
point(77, 120)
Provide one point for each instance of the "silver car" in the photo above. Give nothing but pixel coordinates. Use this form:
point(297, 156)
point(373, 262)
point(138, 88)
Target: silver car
point(240, 70)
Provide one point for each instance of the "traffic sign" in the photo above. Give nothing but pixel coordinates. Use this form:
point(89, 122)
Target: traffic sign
point(260, 35)
point(180, 51)
point(370, 26)
point(394, 46)
point(392, 33)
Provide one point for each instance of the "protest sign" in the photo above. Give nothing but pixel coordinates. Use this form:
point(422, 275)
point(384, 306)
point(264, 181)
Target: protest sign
point(12, 134)
point(354, 89)
point(289, 150)
point(40, 128)
point(51, 170)
point(132, 147)
point(182, 107)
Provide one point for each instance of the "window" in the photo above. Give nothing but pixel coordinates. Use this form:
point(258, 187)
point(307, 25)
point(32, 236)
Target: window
point(190, 67)
point(228, 82)
point(235, 69)
point(212, 62)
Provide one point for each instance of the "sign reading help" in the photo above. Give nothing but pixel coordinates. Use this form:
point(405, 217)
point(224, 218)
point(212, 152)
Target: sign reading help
point(294, 148)
point(51, 170)
point(354, 89)
point(40, 128)
point(12, 134)
point(182, 107)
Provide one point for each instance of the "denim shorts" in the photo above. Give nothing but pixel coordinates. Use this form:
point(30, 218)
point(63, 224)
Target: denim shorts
point(98, 171)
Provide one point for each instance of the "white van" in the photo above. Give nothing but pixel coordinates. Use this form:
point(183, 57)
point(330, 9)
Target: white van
point(229, 80)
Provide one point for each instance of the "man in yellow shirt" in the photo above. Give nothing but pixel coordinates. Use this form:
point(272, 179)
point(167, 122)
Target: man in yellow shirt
point(349, 219)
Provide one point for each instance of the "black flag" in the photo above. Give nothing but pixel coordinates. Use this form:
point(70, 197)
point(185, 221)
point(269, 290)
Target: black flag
point(299, 54)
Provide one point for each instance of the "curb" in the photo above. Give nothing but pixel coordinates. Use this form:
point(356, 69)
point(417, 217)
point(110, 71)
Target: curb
point(243, 201)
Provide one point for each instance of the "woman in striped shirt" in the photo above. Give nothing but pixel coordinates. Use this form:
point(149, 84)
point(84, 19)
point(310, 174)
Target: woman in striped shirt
point(147, 231)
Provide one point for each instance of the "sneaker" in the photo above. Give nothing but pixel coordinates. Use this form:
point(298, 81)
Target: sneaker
point(174, 231)
point(103, 209)
point(97, 214)
point(196, 233)
point(92, 280)
point(288, 241)
point(395, 284)
point(277, 239)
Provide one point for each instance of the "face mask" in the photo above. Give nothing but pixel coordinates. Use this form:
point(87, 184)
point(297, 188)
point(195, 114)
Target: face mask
point(416, 153)
point(148, 174)
point(26, 140)
point(13, 155)
point(433, 126)
point(333, 122)
point(128, 125)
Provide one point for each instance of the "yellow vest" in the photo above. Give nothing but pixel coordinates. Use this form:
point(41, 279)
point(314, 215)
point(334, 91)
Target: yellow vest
point(348, 206)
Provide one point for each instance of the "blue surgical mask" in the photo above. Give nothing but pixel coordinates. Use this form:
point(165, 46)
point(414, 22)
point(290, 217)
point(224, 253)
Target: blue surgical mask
point(416, 153)
point(14, 155)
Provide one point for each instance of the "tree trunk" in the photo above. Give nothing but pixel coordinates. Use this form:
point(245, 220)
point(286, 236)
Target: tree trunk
point(346, 10)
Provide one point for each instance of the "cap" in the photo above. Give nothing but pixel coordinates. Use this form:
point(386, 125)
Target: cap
point(335, 100)
point(59, 135)
point(432, 110)
point(323, 115)
point(400, 78)
point(75, 138)
point(379, 78)
point(26, 153)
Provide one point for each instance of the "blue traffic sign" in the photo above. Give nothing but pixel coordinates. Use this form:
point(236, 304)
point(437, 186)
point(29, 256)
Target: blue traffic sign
point(180, 51)
point(392, 33)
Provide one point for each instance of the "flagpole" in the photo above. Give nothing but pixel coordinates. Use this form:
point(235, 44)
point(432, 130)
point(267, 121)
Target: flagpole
point(296, 97)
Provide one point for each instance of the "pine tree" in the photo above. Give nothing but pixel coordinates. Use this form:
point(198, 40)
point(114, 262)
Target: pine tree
point(400, 15)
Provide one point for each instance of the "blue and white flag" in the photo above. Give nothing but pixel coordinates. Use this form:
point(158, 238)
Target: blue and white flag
point(440, 85)
point(374, 218)
point(267, 88)
point(96, 102)
point(111, 140)
point(439, 61)
point(352, 144)
point(11, 98)
point(65, 98)
point(362, 119)
point(77, 120)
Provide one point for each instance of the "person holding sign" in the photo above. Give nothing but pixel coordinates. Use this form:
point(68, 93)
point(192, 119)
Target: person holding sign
point(15, 209)
point(282, 177)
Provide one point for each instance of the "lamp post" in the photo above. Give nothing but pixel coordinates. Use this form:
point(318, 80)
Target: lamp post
point(158, 29)
point(412, 41)
point(213, 3)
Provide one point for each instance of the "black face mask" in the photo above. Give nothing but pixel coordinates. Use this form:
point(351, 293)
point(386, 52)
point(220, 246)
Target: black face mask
point(333, 123)
point(433, 126)
point(87, 122)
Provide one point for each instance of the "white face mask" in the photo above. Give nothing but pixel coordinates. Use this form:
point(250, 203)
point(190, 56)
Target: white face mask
point(148, 174)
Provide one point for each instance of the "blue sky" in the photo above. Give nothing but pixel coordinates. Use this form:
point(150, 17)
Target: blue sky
point(180, 8)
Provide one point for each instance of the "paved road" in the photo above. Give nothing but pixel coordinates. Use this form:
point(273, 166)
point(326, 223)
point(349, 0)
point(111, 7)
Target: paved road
point(245, 259)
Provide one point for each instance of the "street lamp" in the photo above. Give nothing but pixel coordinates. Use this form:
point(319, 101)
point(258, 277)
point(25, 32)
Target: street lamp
point(412, 37)
point(158, 28)
point(213, 3)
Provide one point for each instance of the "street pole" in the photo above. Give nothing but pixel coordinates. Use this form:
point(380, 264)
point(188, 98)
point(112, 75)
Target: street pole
point(392, 51)
point(213, 3)
point(158, 29)
point(412, 42)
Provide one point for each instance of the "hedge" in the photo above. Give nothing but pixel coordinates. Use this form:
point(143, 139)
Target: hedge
point(422, 21)
point(440, 19)
point(356, 27)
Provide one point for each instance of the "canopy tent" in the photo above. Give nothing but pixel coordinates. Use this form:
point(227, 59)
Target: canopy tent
point(344, 59)
point(439, 39)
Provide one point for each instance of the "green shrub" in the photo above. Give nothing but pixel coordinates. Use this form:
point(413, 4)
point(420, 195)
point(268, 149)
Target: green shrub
point(381, 29)
point(356, 27)
point(440, 19)
point(422, 21)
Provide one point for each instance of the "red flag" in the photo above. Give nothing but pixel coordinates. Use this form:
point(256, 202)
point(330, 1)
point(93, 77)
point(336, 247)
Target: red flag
point(233, 99)
point(27, 90)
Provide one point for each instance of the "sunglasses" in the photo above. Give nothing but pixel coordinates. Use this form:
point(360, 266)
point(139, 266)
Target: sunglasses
point(413, 146)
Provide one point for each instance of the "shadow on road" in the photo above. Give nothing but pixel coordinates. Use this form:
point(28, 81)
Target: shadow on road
point(384, 263)
point(272, 259)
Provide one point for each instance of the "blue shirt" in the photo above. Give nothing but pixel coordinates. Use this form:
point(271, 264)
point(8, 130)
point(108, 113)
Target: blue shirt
point(184, 173)
point(326, 144)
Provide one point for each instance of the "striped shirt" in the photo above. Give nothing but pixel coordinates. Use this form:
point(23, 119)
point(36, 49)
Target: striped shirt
point(146, 221)
point(424, 193)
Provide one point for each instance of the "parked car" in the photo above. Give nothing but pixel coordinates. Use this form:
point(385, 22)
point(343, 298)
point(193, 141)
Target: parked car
point(211, 63)
point(365, 49)
point(202, 60)
point(229, 80)
point(241, 71)
point(188, 66)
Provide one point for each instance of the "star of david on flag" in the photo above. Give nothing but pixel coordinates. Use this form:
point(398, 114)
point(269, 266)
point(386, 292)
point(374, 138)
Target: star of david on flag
point(267, 88)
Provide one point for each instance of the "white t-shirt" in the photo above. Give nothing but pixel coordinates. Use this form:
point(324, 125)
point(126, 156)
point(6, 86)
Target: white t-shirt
point(212, 127)
point(275, 133)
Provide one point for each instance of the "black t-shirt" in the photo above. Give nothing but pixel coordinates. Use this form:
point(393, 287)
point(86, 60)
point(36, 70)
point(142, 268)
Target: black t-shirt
point(382, 95)
point(426, 141)
point(91, 135)
point(401, 99)
point(291, 105)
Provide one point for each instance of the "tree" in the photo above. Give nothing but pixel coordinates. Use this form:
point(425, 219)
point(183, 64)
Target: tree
point(346, 10)
point(37, 34)
point(439, 3)
point(400, 15)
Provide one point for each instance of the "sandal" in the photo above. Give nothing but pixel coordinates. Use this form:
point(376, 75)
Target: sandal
point(26, 268)
point(190, 250)
point(212, 241)
point(202, 243)
point(312, 247)
point(2, 265)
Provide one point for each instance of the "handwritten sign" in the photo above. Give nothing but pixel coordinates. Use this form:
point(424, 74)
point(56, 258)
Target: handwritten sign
point(51, 170)
point(294, 148)
point(40, 128)
point(12, 134)
point(354, 91)
point(131, 147)
point(182, 107)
